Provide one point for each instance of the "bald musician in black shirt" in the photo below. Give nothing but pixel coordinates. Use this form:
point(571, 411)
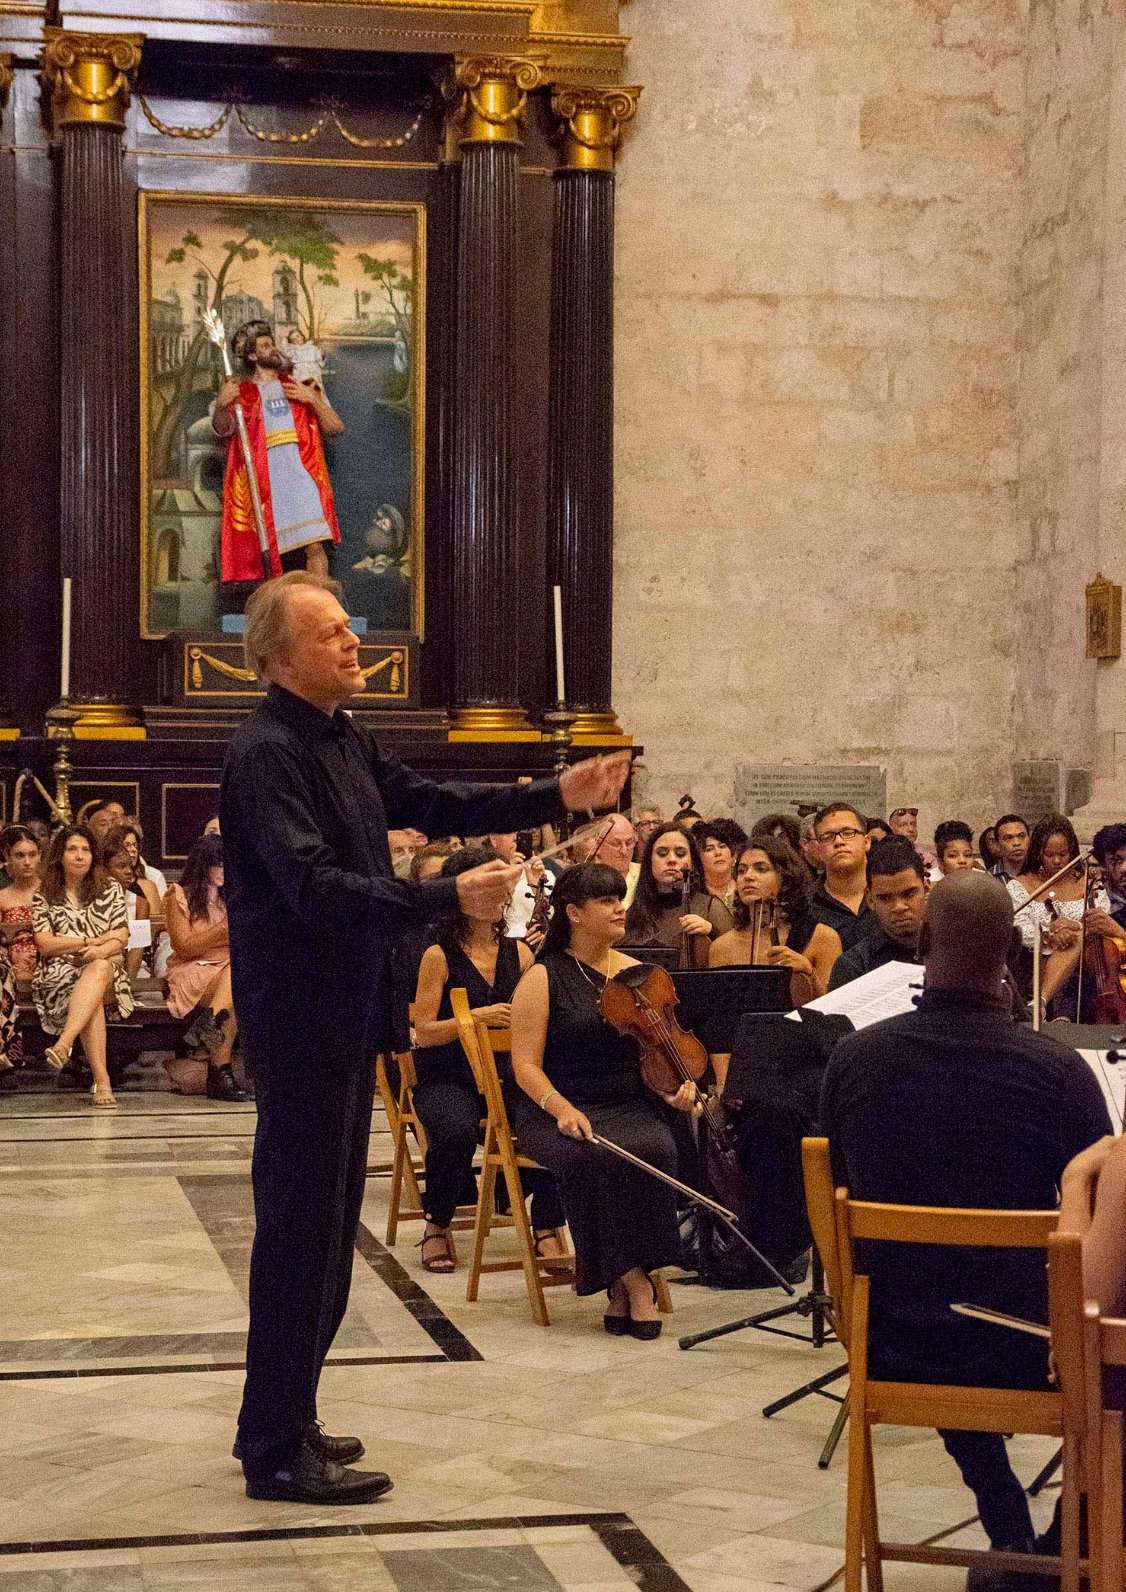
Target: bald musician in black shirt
point(314, 910)
point(955, 1105)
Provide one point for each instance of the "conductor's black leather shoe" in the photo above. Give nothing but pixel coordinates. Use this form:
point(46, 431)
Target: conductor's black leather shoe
point(309, 1479)
point(341, 1450)
point(223, 1085)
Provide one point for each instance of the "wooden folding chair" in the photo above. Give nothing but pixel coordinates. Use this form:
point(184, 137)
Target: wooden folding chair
point(839, 1222)
point(501, 1157)
point(408, 1176)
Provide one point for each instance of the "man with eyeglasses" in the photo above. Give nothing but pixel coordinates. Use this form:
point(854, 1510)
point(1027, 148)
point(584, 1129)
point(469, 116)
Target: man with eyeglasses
point(839, 901)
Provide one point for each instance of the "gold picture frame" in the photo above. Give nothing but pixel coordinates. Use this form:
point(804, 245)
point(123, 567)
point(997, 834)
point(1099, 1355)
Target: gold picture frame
point(308, 259)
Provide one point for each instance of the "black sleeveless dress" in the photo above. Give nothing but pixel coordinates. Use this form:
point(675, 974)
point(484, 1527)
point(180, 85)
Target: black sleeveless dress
point(448, 1062)
point(619, 1216)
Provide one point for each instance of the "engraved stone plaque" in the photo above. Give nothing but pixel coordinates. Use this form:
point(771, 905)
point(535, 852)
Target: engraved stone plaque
point(1038, 789)
point(782, 787)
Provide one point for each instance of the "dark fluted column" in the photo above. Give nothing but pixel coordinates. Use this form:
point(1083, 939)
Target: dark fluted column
point(90, 77)
point(580, 506)
point(441, 317)
point(485, 514)
point(8, 728)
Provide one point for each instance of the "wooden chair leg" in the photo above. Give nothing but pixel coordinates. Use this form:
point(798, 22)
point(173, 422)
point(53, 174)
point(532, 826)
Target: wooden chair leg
point(857, 1505)
point(664, 1298)
point(1109, 1548)
point(1069, 1516)
point(872, 1559)
point(486, 1210)
point(399, 1139)
point(526, 1239)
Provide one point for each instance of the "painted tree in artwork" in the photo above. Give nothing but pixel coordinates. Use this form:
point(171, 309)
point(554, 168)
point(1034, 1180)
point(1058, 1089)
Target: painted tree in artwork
point(397, 289)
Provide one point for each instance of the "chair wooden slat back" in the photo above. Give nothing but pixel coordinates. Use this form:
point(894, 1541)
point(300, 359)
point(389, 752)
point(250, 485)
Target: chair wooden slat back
point(501, 1158)
point(838, 1223)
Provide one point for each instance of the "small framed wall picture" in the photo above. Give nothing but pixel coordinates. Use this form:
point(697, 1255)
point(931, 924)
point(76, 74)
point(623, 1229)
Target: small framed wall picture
point(1104, 619)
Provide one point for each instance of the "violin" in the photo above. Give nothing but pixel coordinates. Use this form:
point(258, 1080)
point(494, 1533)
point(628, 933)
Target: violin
point(1104, 964)
point(641, 1003)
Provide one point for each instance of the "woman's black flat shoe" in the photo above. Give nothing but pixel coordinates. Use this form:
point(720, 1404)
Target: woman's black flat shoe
point(645, 1331)
point(618, 1326)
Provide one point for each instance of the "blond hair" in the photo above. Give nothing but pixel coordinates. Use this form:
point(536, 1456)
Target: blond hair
point(267, 617)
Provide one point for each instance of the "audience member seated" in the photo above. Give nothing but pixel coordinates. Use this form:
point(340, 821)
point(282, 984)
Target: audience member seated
point(476, 955)
point(897, 895)
point(199, 974)
point(769, 870)
point(81, 931)
point(427, 863)
point(720, 841)
point(838, 902)
point(1011, 838)
point(878, 829)
point(17, 905)
point(102, 816)
point(904, 821)
point(659, 913)
point(954, 846)
point(686, 814)
point(135, 841)
point(117, 863)
point(580, 1077)
point(812, 853)
point(1059, 914)
point(783, 826)
point(645, 820)
point(211, 827)
point(954, 1105)
point(403, 847)
point(988, 849)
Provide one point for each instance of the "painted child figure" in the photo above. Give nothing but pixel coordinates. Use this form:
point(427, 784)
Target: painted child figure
point(307, 360)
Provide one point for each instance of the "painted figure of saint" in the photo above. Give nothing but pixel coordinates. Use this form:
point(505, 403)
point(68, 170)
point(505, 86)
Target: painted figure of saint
point(287, 422)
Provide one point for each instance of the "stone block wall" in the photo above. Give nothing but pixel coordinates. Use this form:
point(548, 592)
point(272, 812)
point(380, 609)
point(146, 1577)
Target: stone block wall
point(859, 295)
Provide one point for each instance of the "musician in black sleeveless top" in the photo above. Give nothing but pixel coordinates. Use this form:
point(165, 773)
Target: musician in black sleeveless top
point(473, 954)
point(768, 870)
point(580, 1077)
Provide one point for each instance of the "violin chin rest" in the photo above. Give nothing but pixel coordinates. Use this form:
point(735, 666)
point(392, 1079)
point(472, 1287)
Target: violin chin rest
point(633, 977)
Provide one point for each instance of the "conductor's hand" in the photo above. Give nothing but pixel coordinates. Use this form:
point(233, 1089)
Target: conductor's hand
point(572, 1124)
point(483, 892)
point(595, 782)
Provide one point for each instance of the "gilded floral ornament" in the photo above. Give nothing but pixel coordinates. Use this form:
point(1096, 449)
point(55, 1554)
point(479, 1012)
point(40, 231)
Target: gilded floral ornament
point(90, 75)
point(591, 122)
point(492, 95)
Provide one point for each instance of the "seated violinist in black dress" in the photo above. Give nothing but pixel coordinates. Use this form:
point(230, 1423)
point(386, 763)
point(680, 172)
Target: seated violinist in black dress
point(767, 870)
point(579, 1077)
point(471, 954)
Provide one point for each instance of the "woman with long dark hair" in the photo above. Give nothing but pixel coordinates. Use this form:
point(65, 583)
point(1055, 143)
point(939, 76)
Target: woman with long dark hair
point(767, 870)
point(579, 1077)
point(1052, 844)
point(670, 900)
point(471, 953)
point(199, 973)
point(81, 931)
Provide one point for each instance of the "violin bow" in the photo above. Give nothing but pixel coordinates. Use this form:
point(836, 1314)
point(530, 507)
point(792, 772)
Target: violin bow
point(728, 1218)
point(1084, 857)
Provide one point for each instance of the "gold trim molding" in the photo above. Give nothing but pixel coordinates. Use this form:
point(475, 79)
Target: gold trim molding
point(494, 93)
point(90, 76)
point(591, 122)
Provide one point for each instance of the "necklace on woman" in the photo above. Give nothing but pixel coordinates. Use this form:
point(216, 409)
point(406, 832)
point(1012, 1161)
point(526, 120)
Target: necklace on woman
point(586, 972)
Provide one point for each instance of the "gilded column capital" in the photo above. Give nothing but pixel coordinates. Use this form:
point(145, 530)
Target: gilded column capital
point(90, 76)
point(7, 75)
point(590, 125)
point(492, 96)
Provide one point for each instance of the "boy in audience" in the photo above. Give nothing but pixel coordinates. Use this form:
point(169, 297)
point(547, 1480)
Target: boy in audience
point(1010, 833)
point(952, 1104)
point(843, 845)
point(897, 898)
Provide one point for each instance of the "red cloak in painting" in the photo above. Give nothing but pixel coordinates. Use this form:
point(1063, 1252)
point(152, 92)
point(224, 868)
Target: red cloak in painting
point(241, 558)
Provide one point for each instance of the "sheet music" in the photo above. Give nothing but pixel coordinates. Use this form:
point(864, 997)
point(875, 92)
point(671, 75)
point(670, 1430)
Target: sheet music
point(1111, 1076)
point(886, 991)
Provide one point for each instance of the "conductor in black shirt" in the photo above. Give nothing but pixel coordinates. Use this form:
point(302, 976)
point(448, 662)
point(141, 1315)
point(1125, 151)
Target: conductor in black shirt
point(954, 1105)
point(314, 910)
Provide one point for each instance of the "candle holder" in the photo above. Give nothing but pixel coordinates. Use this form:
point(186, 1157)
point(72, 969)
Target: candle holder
point(61, 720)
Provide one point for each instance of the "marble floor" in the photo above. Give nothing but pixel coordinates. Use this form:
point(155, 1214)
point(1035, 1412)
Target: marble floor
point(523, 1458)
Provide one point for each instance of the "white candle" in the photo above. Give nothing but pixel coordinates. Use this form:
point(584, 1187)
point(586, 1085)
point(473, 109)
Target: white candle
point(1036, 977)
point(560, 683)
point(65, 670)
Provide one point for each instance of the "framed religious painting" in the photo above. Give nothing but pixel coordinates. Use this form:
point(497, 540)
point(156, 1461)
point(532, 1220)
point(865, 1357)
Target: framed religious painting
point(338, 286)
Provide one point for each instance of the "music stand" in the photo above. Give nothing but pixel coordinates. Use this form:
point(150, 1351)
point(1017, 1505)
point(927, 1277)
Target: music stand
point(815, 1303)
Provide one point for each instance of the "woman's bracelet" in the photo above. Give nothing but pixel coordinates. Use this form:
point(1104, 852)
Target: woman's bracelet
point(547, 1097)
